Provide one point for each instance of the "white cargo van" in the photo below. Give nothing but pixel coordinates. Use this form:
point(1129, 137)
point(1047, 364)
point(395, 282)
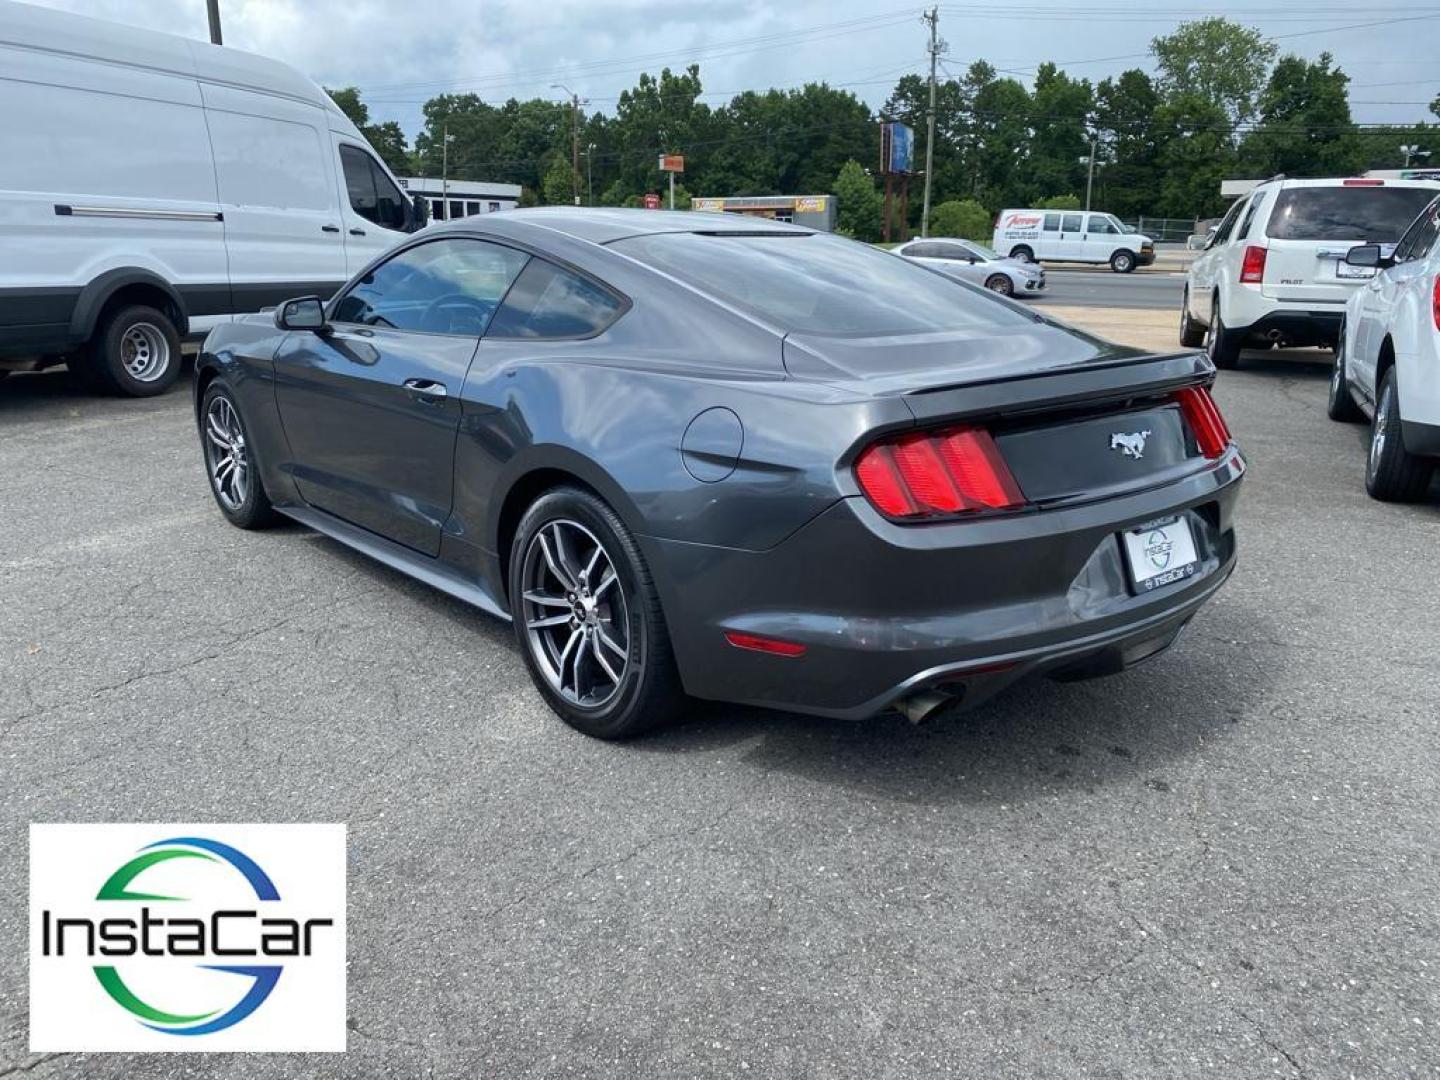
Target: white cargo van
point(1071, 236)
point(151, 186)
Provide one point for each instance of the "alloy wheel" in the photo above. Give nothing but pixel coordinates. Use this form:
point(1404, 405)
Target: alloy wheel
point(226, 455)
point(144, 352)
point(1378, 432)
point(577, 621)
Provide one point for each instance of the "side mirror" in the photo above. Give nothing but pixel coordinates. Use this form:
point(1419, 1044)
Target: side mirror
point(302, 313)
point(1210, 234)
point(419, 213)
point(1366, 255)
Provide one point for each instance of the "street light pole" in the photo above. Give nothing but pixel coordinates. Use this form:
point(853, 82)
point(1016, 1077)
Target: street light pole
point(1090, 175)
point(932, 17)
point(212, 8)
point(590, 174)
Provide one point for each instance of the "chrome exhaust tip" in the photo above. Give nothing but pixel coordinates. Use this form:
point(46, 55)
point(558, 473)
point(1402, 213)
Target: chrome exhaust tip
point(922, 707)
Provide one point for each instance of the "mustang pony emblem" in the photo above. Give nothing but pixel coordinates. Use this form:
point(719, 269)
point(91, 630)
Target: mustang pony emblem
point(1131, 445)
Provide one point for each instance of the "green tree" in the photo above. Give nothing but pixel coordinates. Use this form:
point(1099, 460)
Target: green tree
point(1060, 138)
point(1126, 175)
point(558, 186)
point(387, 138)
point(1304, 126)
point(860, 205)
point(962, 217)
point(1059, 202)
point(1002, 112)
point(1195, 155)
point(1217, 61)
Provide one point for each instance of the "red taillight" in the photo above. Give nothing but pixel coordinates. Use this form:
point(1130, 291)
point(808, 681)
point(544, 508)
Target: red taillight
point(1252, 269)
point(756, 643)
point(1435, 302)
point(1211, 432)
point(1362, 181)
point(942, 472)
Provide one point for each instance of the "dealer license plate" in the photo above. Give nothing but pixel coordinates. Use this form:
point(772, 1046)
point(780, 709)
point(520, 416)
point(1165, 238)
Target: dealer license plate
point(1160, 553)
point(1345, 270)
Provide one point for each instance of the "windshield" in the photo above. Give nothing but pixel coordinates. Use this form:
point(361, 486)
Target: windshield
point(820, 284)
point(1374, 215)
point(1116, 224)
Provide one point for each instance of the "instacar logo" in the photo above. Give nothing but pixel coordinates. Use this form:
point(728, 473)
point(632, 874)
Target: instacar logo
point(183, 944)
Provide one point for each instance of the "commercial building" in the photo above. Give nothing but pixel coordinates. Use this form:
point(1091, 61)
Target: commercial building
point(450, 199)
point(814, 211)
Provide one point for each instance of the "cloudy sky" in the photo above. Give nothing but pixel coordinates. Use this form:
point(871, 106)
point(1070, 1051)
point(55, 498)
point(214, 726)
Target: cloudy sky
point(399, 52)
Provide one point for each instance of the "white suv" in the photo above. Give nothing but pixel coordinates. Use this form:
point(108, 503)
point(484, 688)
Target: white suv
point(1274, 273)
point(1388, 362)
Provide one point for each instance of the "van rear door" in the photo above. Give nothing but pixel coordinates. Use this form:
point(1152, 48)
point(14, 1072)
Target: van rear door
point(1312, 226)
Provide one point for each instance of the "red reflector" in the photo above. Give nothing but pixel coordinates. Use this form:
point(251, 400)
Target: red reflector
point(1252, 268)
point(942, 472)
point(1211, 432)
point(764, 644)
point(1362, 181)
point(1435, 302)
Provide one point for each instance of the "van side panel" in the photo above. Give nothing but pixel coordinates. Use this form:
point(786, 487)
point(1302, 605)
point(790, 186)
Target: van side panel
point(103, 167)
point(277, 190)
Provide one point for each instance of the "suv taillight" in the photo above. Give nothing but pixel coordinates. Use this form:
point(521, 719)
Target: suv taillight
point(1252, 268)
point(937, 473)
point(1201, 413)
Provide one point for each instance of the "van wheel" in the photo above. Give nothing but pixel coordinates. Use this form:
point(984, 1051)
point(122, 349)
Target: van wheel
point(136, 352)
point(1122, 262)
point(1392, 473)
point(1022, 253)
point(1221, 345)
point(1192, 334)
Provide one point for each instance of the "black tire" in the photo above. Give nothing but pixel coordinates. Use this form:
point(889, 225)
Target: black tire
point(1221, 345)
point(1392, 473)
point(1000, 283)
point(135, 352)
point(1340, 405)
point(252, 510)
point(1192, 334)
point(1022, 253)
point(647, 693)
point(1122, 262)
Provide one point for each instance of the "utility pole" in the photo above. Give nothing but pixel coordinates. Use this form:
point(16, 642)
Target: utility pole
point(445, 167)
point(590, 174)
point(935, 48)
point(1090, 175)
point(575, 103)
point(212, 8)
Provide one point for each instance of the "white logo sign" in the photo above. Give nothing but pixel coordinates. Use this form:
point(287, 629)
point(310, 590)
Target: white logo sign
point(1131, 445)
point(187, 937)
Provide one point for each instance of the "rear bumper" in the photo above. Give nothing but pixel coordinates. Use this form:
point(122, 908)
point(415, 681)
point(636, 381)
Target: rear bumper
point(886, 610)
point(1297, 327)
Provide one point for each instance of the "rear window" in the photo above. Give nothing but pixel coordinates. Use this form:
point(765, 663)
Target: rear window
point(1374, 215)
point(819, 284)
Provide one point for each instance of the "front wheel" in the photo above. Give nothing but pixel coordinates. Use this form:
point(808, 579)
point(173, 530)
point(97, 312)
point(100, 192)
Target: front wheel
point(1192, 334)
point(999, 283)
point(230, 461)
point(588, 620)
point(1392, 473)
point(1340, 405)
point(1122, 262)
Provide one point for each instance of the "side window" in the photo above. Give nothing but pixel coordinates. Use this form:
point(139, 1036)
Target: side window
point(1255, 202)
point(371, 193)
point(1416, 242)
point(548, 302)
point(1100, 224)
point(443, 287)
point(1072, 223)
point(1052, 222)
point(922, 251)
point(1425, 241)
point(956, 252)
point(1227, 223)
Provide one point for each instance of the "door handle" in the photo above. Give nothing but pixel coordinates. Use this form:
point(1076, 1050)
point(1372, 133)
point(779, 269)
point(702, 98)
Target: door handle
point(357, 232)
point(329, 228)
point(425, 389)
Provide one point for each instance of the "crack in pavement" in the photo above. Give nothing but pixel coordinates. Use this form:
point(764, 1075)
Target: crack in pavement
point(16, 1070)
point(1259, 1030)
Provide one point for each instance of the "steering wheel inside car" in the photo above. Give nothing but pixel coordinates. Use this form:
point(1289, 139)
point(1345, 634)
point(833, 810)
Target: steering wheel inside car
point(457, 313)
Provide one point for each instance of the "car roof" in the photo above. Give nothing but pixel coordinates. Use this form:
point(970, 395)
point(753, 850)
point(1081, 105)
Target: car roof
point(1344, 181)
point(602, 225)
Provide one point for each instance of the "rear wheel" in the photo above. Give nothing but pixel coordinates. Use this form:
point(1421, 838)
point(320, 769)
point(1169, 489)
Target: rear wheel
point(1122, 262)
point(1192, 334)
point(135, 352)
point(1393, 474)
point(588, 619)
point(1000, 283)
point(1221, 345)
point(1023, 253)
point(1340, 405)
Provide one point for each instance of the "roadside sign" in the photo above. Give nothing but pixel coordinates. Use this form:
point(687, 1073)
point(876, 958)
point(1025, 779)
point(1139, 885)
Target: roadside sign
point(652, 201)
point(672, 163)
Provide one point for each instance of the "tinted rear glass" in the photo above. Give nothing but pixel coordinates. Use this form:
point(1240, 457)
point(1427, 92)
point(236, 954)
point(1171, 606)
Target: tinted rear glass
point(818, 284)
point(1375, 215)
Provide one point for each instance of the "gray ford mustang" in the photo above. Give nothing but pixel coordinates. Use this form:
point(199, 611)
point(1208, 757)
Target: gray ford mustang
point(701, 456)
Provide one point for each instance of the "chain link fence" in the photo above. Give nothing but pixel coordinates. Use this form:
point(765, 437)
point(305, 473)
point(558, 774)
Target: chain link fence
point(1166, 230)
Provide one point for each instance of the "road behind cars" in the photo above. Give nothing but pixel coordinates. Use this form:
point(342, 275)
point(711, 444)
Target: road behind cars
point(1219, 863)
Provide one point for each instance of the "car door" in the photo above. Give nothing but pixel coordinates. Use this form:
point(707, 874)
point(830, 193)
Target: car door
point(1070, 240)
point(373, 209)
point(1099, 238)
point(958, 261)
point(1385, 298)
point(1205, 271)
point(371, 408)
point(1048, 245)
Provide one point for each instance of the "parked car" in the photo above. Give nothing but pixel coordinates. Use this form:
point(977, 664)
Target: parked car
point(153, 185)
point(1274, 270)
point(1071, 236)
point(664, 444)
point(1387, 363)
point(977, 264)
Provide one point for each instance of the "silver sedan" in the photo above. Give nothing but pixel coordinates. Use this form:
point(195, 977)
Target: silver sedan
point(977, 264)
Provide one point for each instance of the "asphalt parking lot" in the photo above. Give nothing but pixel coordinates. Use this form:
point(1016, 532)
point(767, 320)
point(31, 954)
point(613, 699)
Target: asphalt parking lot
point(1222, 863)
